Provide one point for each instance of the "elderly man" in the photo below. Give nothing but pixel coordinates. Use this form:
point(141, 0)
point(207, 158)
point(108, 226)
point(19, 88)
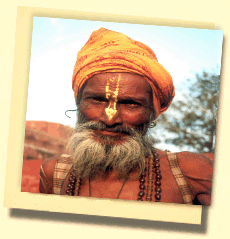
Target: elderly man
point(120, 88)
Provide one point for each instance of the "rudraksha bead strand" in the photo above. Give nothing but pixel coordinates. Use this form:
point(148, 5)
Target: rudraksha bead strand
point(142, 187)
point(71, 183)
point(150, 179)
point(158, 176)
point(77, 188)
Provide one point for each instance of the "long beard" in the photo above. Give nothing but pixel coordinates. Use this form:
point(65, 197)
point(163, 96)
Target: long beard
point(96, 155)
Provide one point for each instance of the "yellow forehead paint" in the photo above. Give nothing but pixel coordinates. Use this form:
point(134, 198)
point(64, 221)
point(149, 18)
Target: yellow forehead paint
point(112, 111)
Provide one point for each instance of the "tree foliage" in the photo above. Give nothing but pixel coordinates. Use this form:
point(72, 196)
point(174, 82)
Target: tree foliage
point(191, 120)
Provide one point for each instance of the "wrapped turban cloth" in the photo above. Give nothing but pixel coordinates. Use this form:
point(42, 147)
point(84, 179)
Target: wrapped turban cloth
point(109, 51)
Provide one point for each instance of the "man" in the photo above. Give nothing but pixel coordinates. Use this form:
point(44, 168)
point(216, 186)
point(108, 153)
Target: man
point(120, 89)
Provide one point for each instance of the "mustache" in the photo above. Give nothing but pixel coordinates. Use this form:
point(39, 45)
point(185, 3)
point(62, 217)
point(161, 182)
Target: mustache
point(92, 157)
point(93, 125)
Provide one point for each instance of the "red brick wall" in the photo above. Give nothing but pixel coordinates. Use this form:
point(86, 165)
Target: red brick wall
point(53, 129)
point(45, 139)
point(42, 141)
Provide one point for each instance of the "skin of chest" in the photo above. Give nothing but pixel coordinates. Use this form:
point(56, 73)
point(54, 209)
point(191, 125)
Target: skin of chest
point(109, 187)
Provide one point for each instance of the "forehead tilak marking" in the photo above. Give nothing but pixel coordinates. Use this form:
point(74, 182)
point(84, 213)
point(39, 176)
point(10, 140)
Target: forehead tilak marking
point(112, 111)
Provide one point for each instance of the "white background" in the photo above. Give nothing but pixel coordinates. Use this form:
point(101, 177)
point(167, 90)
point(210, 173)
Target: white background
point(20, 224)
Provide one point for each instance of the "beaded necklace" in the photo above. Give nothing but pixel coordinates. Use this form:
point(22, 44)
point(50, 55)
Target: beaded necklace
point(153, 165)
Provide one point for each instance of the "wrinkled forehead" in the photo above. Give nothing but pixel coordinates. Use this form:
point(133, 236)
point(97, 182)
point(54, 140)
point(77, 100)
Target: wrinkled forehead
point(123, 84)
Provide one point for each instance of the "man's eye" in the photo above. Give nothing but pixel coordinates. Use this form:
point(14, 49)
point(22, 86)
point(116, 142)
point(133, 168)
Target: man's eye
point(133, 105)
point(130, 103)
point(98, 99)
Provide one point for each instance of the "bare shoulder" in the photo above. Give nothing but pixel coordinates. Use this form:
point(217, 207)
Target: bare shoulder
point(48, 167)
point(194, 157)
point(195, 165)
point(197, 169)
point(46, 176)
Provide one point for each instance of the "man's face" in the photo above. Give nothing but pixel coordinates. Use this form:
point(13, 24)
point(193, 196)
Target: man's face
point(114, 114)
point(117, 100)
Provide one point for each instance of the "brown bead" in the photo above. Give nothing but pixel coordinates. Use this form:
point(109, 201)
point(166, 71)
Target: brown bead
point(150, 173)
point(77, 191)
point(158, 196)
point(150, 178)
point(158, 177)
point(142, 186)
point(71, 182)
point(150, 188)
point(151, 163)
point(158, 189)
point(141, 193)
point(157, 171)
point(150, 169)
point(158, 183)
point(142, 180)
point(70, 192)
point(140, 199)
point(157, 165)
point(149, 194)
point(149, 191)
point(78, 182)
point(148, 198)
point(150, 184)
point(156, 156)
point(72, 179)
point(150, 181)
point(70, 186)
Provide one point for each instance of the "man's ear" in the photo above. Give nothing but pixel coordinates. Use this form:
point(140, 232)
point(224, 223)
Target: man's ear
point(79, 95)
point(78, 100)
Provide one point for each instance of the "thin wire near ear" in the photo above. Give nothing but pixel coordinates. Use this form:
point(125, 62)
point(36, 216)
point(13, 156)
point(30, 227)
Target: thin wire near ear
point(152, 124)
point(67, 111)
point(152, 119)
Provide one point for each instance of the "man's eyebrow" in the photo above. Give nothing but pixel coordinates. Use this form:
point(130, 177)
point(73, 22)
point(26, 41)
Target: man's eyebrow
point(94, 94)
point(135, 99)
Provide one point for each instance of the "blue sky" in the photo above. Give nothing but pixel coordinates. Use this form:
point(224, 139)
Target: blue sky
point(55, 43)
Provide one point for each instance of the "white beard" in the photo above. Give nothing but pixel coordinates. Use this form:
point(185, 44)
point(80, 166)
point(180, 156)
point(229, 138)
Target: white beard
point(92, 157)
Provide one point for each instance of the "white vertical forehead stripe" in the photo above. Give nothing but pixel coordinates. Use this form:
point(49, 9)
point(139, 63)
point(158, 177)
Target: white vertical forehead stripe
point(112, 95)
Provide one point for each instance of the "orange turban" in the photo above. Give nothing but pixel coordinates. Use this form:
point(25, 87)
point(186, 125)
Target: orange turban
point(109, 51)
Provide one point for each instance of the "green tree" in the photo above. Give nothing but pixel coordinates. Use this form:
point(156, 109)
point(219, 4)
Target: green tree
point(191, 120)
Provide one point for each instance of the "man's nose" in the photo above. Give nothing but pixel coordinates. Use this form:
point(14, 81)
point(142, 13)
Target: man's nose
point(112, 115)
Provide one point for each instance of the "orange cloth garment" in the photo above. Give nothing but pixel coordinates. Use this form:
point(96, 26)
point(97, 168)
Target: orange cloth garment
point(110, 51)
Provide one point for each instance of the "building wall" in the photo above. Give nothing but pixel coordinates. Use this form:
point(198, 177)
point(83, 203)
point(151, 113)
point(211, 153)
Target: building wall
point(45, 139)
